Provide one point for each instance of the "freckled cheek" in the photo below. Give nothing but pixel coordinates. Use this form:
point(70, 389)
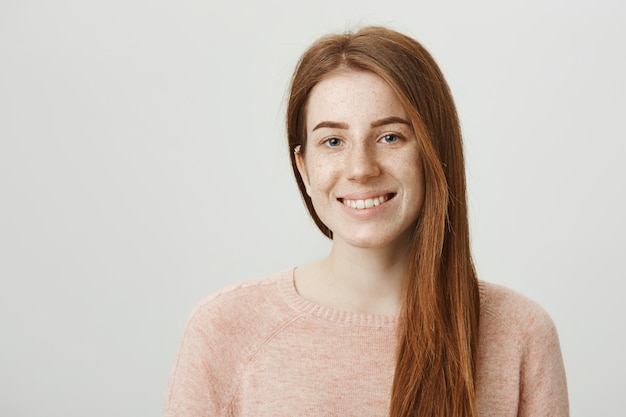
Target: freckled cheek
point(321, 175)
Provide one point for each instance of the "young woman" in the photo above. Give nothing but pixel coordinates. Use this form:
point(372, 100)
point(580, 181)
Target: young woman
point(393, 322)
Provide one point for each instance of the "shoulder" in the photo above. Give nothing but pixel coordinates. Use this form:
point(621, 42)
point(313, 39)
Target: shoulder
point(255, 304)
point(222, 335)
point(511, 314)
point(226, 330)
point(520, 360)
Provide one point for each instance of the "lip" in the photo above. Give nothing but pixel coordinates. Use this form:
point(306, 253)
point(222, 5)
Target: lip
point(370, 212)
point(366, 195)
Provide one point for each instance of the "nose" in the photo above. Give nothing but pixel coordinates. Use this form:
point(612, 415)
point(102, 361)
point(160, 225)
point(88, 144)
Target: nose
point(362, 164)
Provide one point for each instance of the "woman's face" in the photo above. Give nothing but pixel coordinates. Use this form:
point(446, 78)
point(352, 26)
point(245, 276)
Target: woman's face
point(361, 166)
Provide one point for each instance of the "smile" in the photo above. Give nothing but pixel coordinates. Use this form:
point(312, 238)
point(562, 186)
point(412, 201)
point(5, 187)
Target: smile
point(367, 203)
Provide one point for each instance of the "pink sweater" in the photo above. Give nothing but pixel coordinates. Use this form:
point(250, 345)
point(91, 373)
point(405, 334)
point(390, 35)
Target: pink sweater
point(259, 349)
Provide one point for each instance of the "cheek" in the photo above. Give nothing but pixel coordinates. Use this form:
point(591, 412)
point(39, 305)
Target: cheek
point(412, 175)
point(321, 175)
point(419, 180)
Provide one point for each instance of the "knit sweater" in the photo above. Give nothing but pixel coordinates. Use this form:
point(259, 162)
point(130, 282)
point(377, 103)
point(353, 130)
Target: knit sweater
point(260, 349)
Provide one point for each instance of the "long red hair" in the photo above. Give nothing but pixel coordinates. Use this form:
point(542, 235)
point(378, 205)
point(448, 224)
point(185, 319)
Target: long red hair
point(437, 338)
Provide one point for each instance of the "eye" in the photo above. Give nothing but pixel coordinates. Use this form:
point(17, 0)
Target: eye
point(390, 138)
point(332, 142)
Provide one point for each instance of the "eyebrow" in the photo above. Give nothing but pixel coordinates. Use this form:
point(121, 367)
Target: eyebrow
point(331, 125)
point(377, 123)
point(390, 121)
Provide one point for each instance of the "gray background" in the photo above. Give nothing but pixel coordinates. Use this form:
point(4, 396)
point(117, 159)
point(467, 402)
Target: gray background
point(143, 166)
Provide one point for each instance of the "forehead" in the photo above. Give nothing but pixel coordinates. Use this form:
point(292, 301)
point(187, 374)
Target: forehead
point(352, 97)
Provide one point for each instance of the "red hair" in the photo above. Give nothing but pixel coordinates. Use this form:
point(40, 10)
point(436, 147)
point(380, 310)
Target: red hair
point(437, 337)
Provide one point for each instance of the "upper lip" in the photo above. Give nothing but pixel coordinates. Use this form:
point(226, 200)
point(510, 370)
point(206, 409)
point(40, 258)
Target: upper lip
point(365, 195)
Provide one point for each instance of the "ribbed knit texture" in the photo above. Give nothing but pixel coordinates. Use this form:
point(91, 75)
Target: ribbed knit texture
point(260, 349)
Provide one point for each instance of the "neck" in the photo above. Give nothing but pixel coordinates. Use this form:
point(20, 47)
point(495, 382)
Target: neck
point(361, 280)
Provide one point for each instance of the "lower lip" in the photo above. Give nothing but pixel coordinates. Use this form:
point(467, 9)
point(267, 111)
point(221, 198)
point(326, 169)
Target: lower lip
point(366, 213)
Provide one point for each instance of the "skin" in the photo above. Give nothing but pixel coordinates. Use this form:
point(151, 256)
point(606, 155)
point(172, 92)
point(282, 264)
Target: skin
point(360, 145)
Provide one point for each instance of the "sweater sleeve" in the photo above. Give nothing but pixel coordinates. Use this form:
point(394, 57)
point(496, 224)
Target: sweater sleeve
point(221, 337)
point(200, 384)
point(543, 384)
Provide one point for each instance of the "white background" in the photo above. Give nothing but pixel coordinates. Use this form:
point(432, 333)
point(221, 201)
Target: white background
point(143, 166)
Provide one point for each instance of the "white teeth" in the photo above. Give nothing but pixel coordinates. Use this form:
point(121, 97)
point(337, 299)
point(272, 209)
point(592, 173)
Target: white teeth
point(365, 204)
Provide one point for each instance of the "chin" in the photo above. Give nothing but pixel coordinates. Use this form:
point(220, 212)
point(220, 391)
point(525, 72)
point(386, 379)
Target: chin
point(374, 241)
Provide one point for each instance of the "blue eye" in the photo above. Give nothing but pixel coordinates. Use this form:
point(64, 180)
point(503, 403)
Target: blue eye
point(333, 142)
point(390, 138)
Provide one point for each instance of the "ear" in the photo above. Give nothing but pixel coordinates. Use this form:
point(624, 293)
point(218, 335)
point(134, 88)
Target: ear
point(302, 168)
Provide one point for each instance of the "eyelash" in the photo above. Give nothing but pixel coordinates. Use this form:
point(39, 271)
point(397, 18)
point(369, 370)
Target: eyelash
point(393, 135)
point(327, 142)
point(337, 142)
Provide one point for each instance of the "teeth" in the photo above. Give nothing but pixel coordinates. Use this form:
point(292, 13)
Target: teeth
point(365, 204)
